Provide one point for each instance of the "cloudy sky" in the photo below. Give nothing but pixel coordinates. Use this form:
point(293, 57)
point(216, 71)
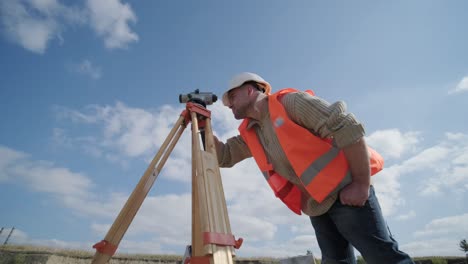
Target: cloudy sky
point(89, 90)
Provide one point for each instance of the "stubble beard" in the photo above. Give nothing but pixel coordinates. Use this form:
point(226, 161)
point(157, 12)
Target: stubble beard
point(241, 112)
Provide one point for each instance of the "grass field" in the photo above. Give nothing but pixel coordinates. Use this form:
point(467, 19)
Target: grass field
point(24, 254)
point(21, 251)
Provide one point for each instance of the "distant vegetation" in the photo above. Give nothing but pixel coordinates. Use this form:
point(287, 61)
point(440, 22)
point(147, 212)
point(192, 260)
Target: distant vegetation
point(464, 246)
point(82, 253)
point(25, 254)
point(22, 254)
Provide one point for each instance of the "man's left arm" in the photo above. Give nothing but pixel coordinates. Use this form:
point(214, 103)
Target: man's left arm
point(357, 192)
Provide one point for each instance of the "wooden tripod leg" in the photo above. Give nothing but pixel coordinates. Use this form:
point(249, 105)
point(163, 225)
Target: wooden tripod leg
point(211, 148)
point(106, 248)
point(197, 227)
point(211, 209)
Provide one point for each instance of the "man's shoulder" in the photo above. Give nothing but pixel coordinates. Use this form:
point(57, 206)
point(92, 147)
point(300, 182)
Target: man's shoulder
point(289, 95)
point(292, 97)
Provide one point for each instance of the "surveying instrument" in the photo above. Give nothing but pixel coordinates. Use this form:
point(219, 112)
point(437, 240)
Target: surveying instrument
point(212, 240)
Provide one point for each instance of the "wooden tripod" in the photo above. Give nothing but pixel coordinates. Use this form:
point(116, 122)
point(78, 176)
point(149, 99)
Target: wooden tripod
point(212, 240)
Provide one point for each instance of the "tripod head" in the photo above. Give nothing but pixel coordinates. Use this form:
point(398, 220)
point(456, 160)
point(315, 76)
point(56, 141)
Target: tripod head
point(198, 97)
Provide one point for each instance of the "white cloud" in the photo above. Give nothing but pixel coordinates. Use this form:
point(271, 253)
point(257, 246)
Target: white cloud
point(462, 86)
point(60, 138)
point(439, 237)
point(30, 32)
point(444, 166)
point(432, 247)
point(45, 6)
point(225, 124)
point(451, 225)
point(86, 67)
point(304, 240)
point(392, 143)
point(125, 132)
point(7, 157)
point(110, 18)
point(42, 176)
point(411, 214)
point(165, 217)
point(449, 161)
point(252, 228)
point(135, 132)
point(387, 186)
point(70, 189)
point(126, 246)
point(427, 158)
point(454, 136)
point(33, 24)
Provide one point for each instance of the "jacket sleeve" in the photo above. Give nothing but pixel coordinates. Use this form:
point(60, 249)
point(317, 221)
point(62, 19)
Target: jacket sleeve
point(322, 118)
point(231, 152)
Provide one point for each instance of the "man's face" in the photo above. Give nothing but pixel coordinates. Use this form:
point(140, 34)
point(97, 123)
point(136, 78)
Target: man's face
point(239, 101)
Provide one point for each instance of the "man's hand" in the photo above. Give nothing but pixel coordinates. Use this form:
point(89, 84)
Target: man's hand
point(357, 192)
point(354, 194)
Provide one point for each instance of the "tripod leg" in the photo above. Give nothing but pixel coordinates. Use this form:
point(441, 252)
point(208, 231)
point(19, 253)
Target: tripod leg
point(211, 148)
point(197, 228)
point(107, 247)
point(211, 203)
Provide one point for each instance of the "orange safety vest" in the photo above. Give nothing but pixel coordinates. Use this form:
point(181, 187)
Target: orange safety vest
point(321, 167)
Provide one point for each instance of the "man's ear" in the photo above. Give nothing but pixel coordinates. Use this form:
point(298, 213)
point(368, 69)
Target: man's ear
point(251, 89)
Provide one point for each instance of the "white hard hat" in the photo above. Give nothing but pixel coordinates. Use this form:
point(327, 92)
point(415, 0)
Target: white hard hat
point(240, 79)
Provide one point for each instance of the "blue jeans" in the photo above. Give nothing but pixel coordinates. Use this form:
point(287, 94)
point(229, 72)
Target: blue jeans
point(343, 227)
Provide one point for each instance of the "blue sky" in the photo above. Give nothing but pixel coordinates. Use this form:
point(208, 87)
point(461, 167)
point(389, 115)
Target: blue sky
point(89, 91)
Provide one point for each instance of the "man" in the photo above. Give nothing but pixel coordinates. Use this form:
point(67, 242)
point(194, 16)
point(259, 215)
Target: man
point(314, 157)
